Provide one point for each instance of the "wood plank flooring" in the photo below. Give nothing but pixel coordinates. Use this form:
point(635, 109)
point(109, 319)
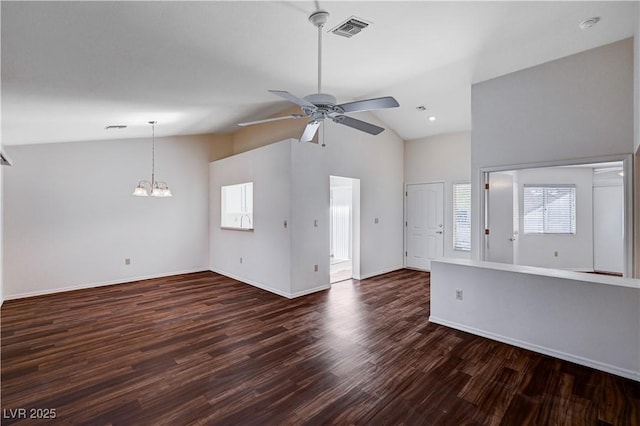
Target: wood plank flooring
point(205, 349)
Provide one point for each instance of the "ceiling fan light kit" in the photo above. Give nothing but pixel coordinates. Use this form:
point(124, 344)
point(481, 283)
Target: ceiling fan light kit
point(321, 106)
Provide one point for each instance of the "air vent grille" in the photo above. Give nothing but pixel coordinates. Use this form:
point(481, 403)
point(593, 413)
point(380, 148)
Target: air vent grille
point(350, 27)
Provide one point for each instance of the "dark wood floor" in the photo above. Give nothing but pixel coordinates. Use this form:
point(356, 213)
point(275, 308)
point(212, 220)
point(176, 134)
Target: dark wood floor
point(205, 349)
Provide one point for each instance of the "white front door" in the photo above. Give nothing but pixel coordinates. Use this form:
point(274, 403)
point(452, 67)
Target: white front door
point(500, 240)
point(424, 225)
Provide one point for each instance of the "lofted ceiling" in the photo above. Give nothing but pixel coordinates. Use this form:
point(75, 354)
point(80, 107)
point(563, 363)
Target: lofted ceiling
point(71, 68)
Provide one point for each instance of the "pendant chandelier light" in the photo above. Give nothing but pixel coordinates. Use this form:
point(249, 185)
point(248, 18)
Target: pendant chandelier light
point(152, 188)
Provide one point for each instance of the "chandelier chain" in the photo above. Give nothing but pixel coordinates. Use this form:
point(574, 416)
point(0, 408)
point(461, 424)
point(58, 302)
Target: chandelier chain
point(153, 152)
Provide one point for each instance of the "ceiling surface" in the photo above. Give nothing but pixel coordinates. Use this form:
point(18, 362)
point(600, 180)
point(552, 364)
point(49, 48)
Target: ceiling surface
point(71, 68)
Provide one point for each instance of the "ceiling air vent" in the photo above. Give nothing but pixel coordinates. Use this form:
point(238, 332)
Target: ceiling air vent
point(350, 27)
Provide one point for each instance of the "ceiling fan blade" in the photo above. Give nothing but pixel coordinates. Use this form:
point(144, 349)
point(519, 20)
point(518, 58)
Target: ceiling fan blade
point(310, 131)
point(267, 120)
point(369, 104)
point(359, 124)
point(292, 98)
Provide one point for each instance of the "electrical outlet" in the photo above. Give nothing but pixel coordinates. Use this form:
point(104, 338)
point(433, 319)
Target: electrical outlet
point(240, 260)
point(315, 223)
point(376, 220)
point(458, 294)
point(555, 254)
point(127, 261)
point(315, 268)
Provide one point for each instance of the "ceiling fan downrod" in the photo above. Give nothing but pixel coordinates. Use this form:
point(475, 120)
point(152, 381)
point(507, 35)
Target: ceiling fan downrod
point(318, 19)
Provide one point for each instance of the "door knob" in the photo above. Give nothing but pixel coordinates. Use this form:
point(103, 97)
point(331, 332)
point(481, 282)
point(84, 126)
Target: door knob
point(438, 232)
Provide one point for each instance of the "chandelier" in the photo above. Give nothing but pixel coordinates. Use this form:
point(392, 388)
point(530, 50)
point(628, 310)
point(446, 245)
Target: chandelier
point(152, 188)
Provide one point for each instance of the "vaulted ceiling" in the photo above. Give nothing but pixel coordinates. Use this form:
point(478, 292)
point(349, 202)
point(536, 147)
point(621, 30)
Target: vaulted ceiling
point(71, 68)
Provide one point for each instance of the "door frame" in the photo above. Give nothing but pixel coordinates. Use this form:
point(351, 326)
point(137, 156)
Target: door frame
point(479, 193)
point(355, 225)
point(405, 219)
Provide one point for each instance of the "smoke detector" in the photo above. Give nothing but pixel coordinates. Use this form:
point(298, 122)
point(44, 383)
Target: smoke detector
point(587, 24)
point(350, 27)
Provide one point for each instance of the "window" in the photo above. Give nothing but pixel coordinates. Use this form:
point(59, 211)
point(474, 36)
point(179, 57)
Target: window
point(237, 206)
point(549, 209)
point(462, 216)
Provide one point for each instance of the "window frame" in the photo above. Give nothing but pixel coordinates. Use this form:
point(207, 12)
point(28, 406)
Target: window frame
point(573, 225)
point(244, 204)
point(455, 233)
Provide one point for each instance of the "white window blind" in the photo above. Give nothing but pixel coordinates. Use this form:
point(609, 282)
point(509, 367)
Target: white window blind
point(462, 216)
point(549, 209)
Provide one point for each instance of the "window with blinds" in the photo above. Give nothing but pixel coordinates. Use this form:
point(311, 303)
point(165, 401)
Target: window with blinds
point(549, 209)
point(462, 216)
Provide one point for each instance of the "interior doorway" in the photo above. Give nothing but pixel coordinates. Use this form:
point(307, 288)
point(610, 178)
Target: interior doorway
point(344, 228)
point(571, 217)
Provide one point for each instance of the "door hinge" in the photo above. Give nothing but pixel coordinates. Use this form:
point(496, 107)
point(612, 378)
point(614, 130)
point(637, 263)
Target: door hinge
point(406, 224)
point(486, 232)
point(406, 194)
point(486, 186)
point(406, 254)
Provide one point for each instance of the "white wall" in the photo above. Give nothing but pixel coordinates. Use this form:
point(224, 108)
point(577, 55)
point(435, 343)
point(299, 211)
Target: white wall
point(1, 231)
point(575, 252)
point(586, 319)
point(265, 251)
point(442, 158)
point(636, 80)
point(1, 194)
point(70, 219)
point(376, 160)
point(636, 149)
point(580, 106)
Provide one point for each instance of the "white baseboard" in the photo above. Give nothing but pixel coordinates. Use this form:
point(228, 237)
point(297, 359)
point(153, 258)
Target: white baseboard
point(380, 272)
point(417, 269)
point(254, 283)
point(266, 287)
point(629, 374)
point(310, 290)
point(98, 284)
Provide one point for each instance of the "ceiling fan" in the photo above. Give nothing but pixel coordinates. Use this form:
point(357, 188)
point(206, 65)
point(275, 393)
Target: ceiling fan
point(320, 106)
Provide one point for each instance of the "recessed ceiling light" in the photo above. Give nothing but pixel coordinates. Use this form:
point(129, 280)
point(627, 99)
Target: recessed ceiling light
point(115, 126)
point(421, 108)
point(589, 23)
point(432, 118)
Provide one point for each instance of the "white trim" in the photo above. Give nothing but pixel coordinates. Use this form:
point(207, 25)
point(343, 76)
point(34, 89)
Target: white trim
point(381, 272)
point(270, 289)
point(483, 173)
point(629, 374)
point(99, 284)
point(608, 183)
point(411, 268)
point(564, 274)
point(310, 291)
point(258, 284)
